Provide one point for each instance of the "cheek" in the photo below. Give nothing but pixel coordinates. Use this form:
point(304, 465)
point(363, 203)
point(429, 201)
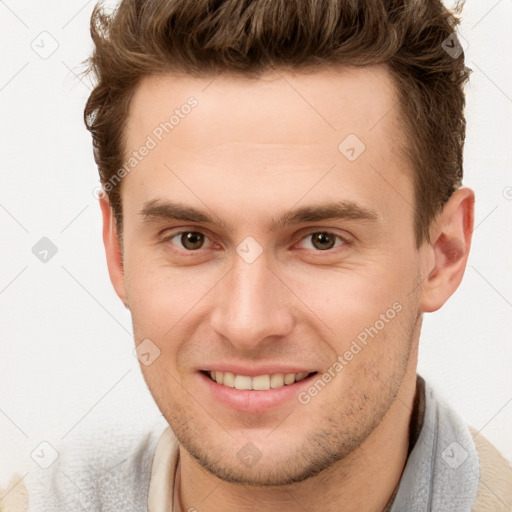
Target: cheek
point(160, 296)
point(349, 300)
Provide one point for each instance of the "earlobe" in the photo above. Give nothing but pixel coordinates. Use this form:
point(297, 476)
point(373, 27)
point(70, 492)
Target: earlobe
point(449, 244)
point(113, 250)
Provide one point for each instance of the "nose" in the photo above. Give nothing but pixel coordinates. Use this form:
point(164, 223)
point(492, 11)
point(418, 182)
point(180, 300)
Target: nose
point(252, 306)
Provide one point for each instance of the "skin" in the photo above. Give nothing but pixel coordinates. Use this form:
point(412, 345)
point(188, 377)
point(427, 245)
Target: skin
point(251, 151)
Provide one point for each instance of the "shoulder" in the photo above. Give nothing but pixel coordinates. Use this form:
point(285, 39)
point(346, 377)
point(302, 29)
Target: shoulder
point(495, 484)
point(101, 471)
point(451, 467)
point(14, 497)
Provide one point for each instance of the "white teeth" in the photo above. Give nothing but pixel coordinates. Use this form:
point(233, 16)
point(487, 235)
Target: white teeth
point(277, 380)
point(261, 382)
point(289, 378)
point(258, 383)
point(243, 382)
point(229, 380)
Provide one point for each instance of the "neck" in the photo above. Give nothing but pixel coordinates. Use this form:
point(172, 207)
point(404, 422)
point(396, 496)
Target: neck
point(379, 460)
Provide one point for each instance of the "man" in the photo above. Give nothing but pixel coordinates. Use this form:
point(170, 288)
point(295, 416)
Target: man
point(282, 204)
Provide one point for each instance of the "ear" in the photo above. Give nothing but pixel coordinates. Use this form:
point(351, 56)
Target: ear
point(450, 241)
point(113, 249)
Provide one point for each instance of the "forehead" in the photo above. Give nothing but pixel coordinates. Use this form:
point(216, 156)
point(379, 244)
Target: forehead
point(333, 100)
point(269, 135)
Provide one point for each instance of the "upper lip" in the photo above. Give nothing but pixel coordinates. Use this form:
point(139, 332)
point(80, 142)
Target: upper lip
point(253, 371)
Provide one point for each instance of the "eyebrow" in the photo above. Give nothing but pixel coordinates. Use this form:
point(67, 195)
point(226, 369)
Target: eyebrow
point(157, 210)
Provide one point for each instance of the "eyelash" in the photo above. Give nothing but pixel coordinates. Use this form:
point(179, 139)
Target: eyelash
point(344, 241)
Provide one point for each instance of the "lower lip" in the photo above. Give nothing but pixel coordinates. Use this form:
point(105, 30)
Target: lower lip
point(249, 400)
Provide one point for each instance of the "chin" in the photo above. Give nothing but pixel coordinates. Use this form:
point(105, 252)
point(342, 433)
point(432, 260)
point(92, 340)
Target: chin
point(272, 464)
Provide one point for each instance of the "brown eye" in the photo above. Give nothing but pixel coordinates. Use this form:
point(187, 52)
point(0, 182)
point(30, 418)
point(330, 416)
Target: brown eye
point(322, 241)
point(189, 240)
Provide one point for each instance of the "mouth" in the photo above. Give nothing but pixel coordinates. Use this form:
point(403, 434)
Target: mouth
point(258, 392)
point(262, 382)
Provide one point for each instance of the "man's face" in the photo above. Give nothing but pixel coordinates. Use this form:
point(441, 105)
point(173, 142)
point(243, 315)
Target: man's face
point(262, 285)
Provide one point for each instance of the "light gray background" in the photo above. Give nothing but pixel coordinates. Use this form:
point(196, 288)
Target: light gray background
point(66, 360)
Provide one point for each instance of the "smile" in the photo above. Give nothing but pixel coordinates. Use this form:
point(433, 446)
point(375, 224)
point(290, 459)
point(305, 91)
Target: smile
point(257, 383)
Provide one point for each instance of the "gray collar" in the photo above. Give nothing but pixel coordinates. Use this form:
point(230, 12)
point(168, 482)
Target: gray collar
point(442, 471)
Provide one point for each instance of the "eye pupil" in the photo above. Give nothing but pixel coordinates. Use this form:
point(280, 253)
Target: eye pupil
point(192, 240)
point(323, 241)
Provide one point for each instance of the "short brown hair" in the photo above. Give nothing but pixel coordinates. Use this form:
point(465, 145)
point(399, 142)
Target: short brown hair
point(249, 37)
